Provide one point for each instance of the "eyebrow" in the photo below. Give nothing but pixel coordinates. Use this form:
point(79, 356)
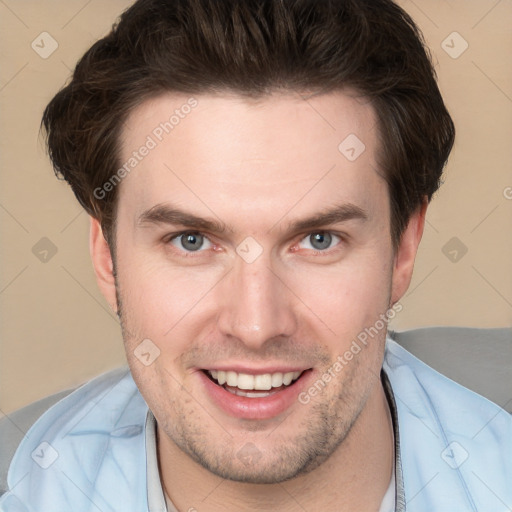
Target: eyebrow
point(167, 214)
point(334, 215)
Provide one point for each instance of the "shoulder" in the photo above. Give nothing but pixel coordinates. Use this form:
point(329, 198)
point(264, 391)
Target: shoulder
point(478, 359)
point(97, 406)
point(455, 445)
point(422, 388)
point(13, 428)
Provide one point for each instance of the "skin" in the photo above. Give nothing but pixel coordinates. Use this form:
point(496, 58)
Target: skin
point(258, 167)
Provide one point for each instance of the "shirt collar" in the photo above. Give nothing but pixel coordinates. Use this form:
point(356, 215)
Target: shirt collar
point(399, 481)
point(156, 499)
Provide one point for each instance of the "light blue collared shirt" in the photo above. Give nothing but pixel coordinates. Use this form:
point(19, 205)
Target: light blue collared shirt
point(88, 452)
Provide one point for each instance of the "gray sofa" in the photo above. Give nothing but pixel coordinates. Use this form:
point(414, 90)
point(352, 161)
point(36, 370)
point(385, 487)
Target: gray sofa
point(479, 359)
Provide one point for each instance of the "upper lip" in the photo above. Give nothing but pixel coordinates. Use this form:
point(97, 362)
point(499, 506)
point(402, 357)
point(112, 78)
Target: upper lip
point(238, 368)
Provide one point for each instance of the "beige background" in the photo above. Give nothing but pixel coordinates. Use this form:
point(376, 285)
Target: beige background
point(56, 330)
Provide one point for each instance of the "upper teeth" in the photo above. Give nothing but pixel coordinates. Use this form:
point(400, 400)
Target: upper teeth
point(246, 381)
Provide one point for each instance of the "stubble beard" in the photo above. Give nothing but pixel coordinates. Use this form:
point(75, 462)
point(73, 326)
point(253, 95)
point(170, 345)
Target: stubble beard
point(327, 426)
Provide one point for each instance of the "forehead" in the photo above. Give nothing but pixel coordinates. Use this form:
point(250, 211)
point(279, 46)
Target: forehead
point(212, 151)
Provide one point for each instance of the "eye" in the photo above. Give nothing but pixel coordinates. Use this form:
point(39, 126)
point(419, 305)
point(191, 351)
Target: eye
point(319, 241)
point(190, 241)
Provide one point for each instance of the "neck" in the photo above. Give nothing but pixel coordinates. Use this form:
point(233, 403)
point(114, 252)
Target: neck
point(355, 477)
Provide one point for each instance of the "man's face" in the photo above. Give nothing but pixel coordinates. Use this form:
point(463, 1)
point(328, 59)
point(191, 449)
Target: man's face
point(250, 246)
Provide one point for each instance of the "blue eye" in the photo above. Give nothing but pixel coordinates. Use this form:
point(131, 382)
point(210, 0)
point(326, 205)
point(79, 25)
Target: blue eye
point(191, 241)
point(320, 241)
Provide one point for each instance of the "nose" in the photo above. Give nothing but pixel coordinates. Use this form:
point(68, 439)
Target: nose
point(257, 306)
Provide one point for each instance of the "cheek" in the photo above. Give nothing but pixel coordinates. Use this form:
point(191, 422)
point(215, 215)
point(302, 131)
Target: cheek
point(349, 298)
point(159, 299)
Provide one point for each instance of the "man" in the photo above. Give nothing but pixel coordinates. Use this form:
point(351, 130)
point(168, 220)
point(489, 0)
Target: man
point(257, 176)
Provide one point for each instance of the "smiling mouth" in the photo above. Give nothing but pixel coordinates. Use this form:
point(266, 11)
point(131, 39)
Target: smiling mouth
point(253, 386)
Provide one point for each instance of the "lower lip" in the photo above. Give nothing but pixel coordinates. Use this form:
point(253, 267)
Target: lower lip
point(254, 408)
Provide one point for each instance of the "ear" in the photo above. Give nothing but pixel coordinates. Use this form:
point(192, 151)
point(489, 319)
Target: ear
point(406, 253)
point(103, 264)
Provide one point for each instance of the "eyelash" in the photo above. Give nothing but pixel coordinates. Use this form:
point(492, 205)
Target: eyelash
point(186, 254)
point(191, 254)
point(328, 251)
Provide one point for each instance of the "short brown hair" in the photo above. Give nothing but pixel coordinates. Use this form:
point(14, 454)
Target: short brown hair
point(254, 47)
